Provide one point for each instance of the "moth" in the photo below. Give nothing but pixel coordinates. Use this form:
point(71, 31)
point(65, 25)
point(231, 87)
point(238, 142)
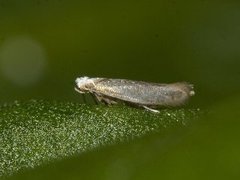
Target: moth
point(138, 93)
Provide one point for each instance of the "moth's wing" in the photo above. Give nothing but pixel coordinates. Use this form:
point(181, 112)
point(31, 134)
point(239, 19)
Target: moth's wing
point(136, 92)
point(142, 93)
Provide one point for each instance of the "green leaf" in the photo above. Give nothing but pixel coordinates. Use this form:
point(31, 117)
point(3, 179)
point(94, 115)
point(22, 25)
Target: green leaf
point(34, 133)
point(208, 149)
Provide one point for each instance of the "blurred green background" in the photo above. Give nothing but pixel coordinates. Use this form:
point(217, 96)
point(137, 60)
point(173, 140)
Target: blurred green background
point(45, 45)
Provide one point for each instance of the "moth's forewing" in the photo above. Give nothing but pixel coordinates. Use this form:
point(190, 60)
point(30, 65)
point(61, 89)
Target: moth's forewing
point(142, 93)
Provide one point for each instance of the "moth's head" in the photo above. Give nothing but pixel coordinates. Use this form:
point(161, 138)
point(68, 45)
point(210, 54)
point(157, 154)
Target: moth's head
point(83, 84)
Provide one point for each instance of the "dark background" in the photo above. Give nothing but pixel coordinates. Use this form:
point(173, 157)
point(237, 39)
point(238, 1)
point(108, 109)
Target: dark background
point(45, 45)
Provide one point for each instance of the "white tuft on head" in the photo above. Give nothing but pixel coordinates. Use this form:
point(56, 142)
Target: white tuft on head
point(83, 81)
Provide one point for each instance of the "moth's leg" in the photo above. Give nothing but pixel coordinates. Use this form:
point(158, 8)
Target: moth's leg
point(83, 95)
point(105, 100)
point(150, 109)
point(96, 98)
point(108, 101)
point(84, 98)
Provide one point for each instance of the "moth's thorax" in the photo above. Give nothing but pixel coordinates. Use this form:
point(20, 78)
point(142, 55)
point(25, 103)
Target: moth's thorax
point(84, 84)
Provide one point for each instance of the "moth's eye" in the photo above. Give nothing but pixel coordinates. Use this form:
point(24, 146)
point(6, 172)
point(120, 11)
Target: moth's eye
point(89, 85)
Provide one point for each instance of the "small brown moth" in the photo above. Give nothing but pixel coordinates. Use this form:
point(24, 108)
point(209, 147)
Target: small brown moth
point(139, 93)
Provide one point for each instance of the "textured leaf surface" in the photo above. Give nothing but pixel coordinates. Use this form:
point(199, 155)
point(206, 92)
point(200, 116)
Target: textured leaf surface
point(208, 149)
point(36, 132)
